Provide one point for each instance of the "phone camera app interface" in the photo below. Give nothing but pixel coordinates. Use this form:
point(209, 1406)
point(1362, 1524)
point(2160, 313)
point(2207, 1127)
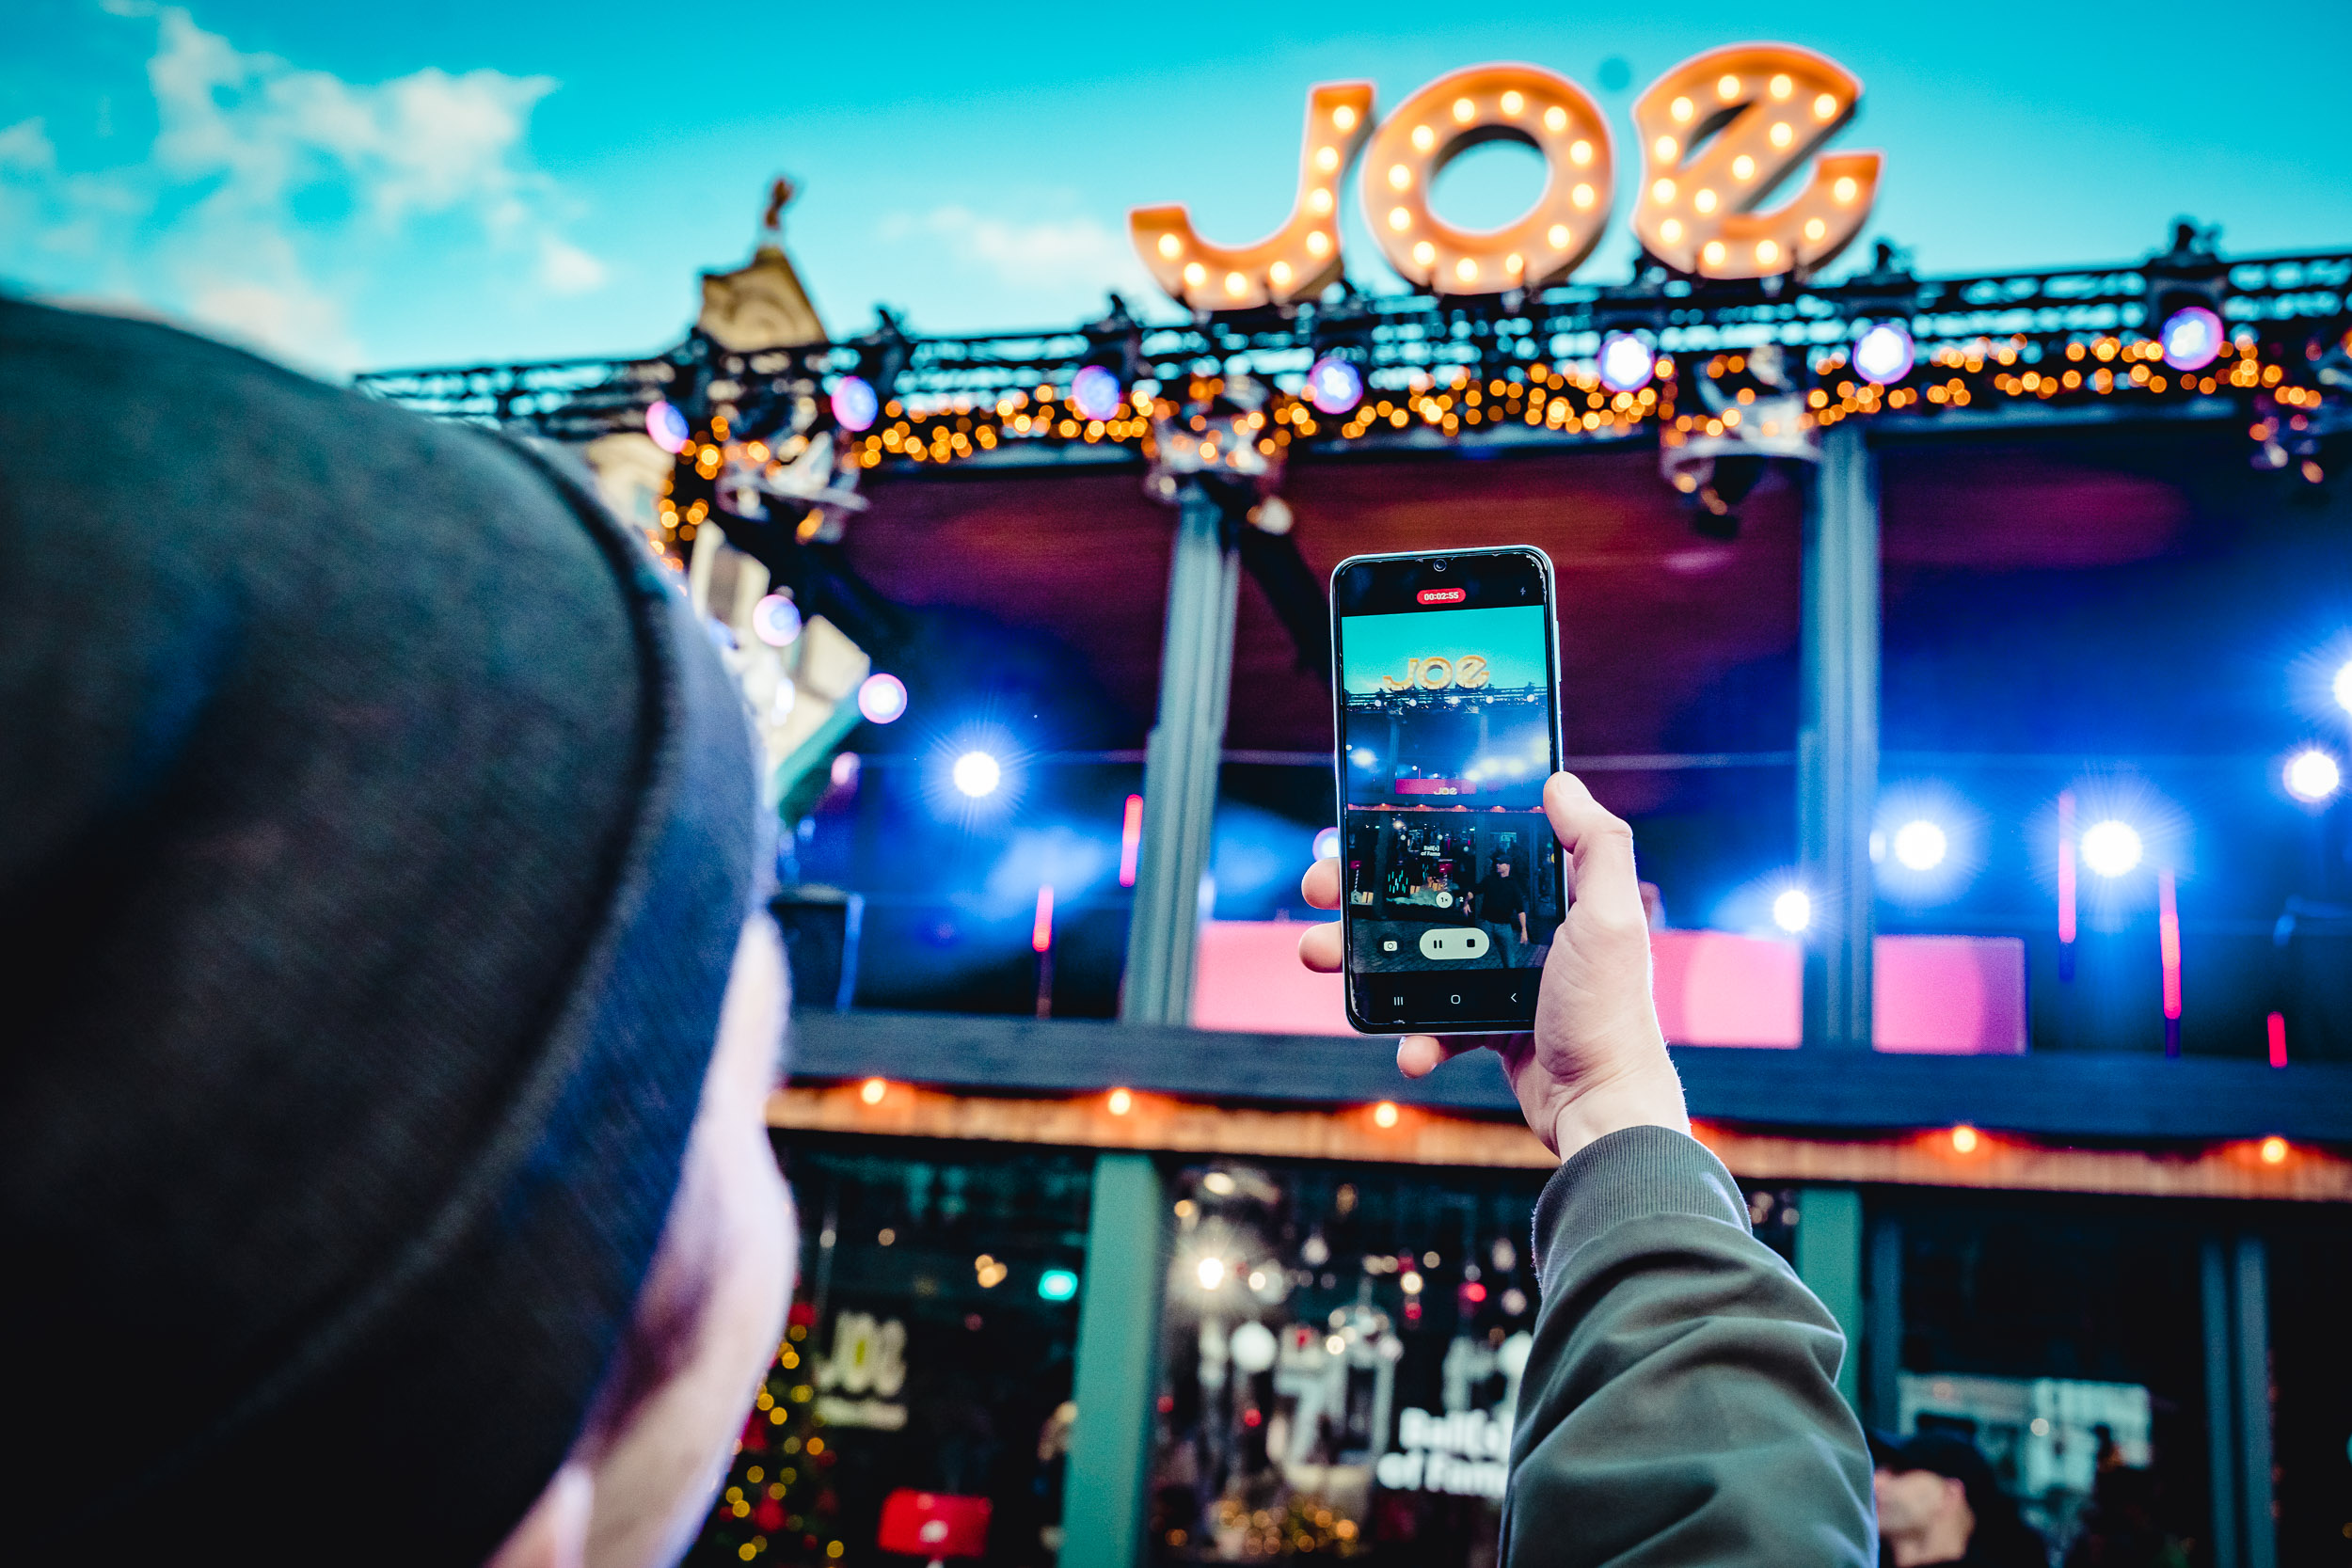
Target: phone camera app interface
point(1446, 744)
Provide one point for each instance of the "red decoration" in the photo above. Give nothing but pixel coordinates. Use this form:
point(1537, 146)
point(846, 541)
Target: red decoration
point(770, 1514)
point(933, 1524)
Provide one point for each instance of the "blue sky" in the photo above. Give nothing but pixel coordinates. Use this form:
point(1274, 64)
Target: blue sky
point(436, 181)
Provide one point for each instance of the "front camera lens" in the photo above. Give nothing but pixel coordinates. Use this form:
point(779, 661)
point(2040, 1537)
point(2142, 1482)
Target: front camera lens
point(1436, 566)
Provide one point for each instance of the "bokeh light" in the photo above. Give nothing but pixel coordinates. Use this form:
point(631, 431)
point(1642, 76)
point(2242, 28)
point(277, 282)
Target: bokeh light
point(854, 404)
point(2191, 338)
point(882, 698)
point(1627, 363)
point(1884, 352)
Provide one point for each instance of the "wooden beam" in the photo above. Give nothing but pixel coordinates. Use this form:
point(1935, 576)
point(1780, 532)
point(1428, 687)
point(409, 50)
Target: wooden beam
point(1422, 1137)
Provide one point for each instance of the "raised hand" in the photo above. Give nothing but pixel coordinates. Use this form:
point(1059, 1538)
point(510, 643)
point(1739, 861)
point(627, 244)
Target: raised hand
point(1596, 1060)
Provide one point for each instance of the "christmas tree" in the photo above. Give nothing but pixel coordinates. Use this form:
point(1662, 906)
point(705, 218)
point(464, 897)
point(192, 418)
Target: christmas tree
point(778, 1503)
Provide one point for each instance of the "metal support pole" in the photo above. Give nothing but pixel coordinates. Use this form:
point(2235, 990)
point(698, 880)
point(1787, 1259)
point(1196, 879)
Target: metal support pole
point(1837, 740)
point(1118, 1318)
point(1882, 1345)
point(2251, 1316)
point(1829, 1261)
point(2220, 1408)
point(1180, 764)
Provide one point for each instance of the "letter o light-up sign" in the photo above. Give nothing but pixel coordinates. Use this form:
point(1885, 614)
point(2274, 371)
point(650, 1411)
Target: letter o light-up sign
point(1718, 133)
point(1454, 114)
point(1299, 260)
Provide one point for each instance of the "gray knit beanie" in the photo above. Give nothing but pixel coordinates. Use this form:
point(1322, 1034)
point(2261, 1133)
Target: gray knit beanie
point(376, 828)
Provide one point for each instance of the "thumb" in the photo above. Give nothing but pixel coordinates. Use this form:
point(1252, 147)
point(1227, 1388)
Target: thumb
point(1599, 847)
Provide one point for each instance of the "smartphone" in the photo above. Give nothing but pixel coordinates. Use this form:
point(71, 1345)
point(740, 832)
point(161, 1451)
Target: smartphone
point(1446, 710)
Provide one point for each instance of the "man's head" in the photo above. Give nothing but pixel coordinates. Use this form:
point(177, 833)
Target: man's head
point(384, 841)
point(1933, 1491)
point(1502, 868)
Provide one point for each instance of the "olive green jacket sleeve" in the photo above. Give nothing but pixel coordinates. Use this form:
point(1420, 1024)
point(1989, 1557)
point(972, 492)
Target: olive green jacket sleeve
point(1681, 1403)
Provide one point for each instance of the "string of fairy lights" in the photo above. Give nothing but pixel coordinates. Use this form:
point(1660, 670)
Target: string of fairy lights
point(1626, 391)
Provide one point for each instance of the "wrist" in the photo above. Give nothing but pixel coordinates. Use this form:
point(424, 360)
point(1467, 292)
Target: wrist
point(1650, 1097)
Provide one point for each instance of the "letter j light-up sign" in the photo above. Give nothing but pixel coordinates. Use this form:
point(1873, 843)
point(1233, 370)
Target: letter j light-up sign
point(1718, 134)
point(1299, 260)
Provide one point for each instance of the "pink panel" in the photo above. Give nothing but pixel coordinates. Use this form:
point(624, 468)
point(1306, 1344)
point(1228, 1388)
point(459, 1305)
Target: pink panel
point(1249, 977)
point(1714, 988)
point(1956, 995)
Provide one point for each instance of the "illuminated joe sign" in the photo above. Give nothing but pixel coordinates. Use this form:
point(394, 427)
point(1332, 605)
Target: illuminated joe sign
point(1718, 132)
point(1437, 673)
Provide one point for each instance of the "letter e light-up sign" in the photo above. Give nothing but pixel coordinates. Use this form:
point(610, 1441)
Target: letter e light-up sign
point(1454, 114)
point(1299, 260)
point(1718, 134)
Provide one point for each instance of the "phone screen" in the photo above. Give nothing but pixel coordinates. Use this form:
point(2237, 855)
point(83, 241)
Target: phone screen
point(1449, 874)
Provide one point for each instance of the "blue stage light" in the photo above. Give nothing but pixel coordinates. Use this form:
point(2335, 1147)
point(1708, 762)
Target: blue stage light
point(854, 404)
point(1057, 1285)
point(1793, 911)
point(2111, 848)
point(1327, 845)
point(2343, 689)
point(1884, 352)
point(1095, 393)
point(2191, 338)
point(2313, 776)
point(1627, 363)
point(1921, 844)
point(667, 427)
point(977, 774)
point(1334, 386)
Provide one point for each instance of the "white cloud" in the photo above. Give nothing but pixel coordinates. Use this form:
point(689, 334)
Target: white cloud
point(207, 226)
point(25, 149)
point(566, 269)
point(1052, 256)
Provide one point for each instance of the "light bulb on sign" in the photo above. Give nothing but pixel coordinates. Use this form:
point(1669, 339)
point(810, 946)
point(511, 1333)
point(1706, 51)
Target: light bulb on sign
point(2191, 338)
point(1884, 352)
point(854, 404)
point(667, 427)
point(1334, 386)
point(882, 698)
point(1095, 393)
point(1627, 363)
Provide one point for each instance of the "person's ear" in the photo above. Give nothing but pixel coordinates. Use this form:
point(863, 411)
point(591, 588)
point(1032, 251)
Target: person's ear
point(554, 1534)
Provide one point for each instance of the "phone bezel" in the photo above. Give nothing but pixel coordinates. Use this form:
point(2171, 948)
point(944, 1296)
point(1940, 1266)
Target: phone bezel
point(1513, 1023)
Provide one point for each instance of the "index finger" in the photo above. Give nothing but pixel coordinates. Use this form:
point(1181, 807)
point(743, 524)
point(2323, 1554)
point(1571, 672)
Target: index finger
point(1320, 886)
